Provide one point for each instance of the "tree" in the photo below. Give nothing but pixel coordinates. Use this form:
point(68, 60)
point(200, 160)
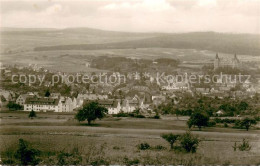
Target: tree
point(198, 119)
point(243, 106)
point(177, 113)
point(32, 114)
point(90, 112)
point(171, 138)
point(189, 142)
point(47, 93)
point(247, 123)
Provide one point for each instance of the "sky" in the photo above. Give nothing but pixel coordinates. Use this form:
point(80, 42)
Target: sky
point(232, 16)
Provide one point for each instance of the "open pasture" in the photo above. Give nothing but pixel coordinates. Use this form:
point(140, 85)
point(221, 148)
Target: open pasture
point(115, 140)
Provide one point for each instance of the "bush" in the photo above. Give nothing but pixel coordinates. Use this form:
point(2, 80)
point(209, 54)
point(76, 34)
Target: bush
point(72, 158)
point(144, 146)
point(244, 146)
point(156, 117)
point(189, 142)
point(159, 147)
point(139, 116)
point(121, 114)
point(257, 118)
point(99, 162)
point(13, 106)
point(225, 125)
point(237, 124)
point(131, 162)
point(211, 124)
point(27, 155)
point(226, 120)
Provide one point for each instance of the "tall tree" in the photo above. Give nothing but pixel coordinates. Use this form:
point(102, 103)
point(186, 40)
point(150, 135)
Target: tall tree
point(90, 112)
point(198, 119)
point(47, 93)
point(247, 123)
point(171, 138)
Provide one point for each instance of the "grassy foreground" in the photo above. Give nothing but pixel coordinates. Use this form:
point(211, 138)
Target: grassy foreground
point(115, 141)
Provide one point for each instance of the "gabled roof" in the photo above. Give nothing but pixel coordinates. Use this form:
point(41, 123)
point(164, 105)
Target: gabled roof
point(41, 101)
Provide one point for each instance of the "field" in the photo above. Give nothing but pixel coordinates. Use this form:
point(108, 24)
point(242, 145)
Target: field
point(193, 49)
point(114, 140)
point(75, 60)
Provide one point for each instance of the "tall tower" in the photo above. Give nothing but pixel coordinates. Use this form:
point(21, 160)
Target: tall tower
point(216, 62)
point(235, 61)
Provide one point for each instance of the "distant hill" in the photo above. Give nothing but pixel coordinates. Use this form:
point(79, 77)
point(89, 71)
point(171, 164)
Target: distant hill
point(48, 39)
point(218, 42)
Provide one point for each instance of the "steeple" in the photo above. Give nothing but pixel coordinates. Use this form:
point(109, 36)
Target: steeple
point(235, 56)
point(217, 56)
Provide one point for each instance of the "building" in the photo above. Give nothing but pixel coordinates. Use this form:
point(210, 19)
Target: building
point(66, 104)
point(21, 99)
point(55, 95)
point(41, 104)
point(222, 63)
point(126, 105)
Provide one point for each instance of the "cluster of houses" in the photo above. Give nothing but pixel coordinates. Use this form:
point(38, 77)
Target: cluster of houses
point(57, 103)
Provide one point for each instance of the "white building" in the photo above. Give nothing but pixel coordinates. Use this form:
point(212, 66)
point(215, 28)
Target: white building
point(41, 104)
point(21, 99)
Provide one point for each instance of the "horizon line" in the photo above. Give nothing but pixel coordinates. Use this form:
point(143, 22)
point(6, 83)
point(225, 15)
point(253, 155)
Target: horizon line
point(120, 31)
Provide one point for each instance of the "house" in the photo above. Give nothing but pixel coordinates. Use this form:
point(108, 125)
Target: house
point(41, 104)
point(55, 95)
point(33, 94)
point(126, 106)
point(219, 112)
point(113, 106)
point(130, 105)
point(66, 104)
point(158, 99)
point(21, 99)
point(8, 95)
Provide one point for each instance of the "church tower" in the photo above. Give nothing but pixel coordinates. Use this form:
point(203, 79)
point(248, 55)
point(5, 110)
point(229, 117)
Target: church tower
point(235, 62)
point(216, 62)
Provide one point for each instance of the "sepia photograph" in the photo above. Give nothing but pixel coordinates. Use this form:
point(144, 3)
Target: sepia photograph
point(130, 82)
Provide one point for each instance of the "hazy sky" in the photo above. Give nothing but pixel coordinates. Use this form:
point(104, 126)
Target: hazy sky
point(236, 16)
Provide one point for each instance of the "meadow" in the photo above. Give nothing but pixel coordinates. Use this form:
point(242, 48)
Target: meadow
point(114, 140)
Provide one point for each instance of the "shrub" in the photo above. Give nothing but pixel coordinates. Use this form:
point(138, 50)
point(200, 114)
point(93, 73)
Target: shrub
point(156, 117)
point(99, 162)
point(27, 155)
point(139, 116)
point(211, 124)
point(189, 142)
point(121, 114)
point(144, 146)
point(13, 106)
point(131, 162)
point(72, 158)
point(257, 118)
point(237, 124)
point(159, 147)
point(116, 148)
point(225, 125)
point(244, 146)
